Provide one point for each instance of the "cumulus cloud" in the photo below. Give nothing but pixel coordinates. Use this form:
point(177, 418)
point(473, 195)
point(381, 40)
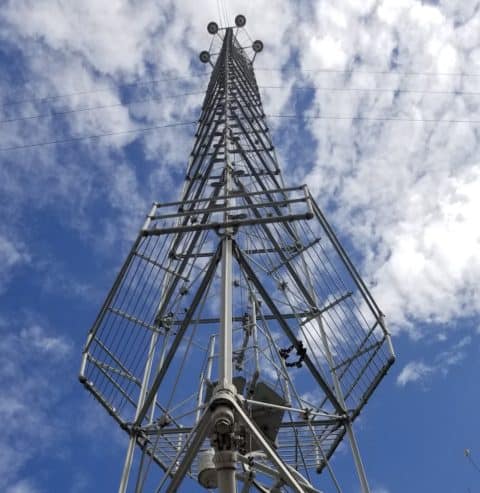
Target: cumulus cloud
point(406, 193)
point(432, 264)
point(95, 56)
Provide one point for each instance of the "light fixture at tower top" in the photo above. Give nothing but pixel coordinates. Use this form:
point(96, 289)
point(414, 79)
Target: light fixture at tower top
point(213, 29)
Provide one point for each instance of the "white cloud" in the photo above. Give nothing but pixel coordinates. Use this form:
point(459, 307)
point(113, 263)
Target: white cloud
point(22, 487)
point(38, 340)
point(102, 32)
point(28, 399)
point(326, 52)
point(421, 372)
point(431, 257)
point(10, 254)
point(45, 420)
point(93, 50)
point(406, 194)
point(413, 372)
point(13, 254)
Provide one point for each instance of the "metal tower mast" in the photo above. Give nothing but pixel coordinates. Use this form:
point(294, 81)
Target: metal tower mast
point(238, 343)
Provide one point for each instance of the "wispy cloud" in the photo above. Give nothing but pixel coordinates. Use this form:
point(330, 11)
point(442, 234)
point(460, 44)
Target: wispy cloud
point(405, 193)
point(421, 372)
point(22, 486)
point(413, 372)
point(39, 341)
point(28, 398)
point(13, 254)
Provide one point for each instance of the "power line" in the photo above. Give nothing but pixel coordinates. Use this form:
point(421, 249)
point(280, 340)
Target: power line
point(157, 81)
point(114, 105)
point(228, 13)
point(375, 72)
point(219, 13)
point(178, 124)
point(153, 82)
point(225, 13)
point(97, 136)
point(369, 118)
point(96, 91)
point(361, 89)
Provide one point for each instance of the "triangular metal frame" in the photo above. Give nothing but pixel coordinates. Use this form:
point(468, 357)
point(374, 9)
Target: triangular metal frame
point(205, 426)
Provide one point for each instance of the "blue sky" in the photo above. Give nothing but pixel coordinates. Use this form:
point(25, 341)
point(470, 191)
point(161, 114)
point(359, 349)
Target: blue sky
point(393, 160)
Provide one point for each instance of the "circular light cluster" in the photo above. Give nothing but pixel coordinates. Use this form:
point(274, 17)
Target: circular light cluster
point(240, 20)
point(257, 46)
point(212, 27)
point(204, 56)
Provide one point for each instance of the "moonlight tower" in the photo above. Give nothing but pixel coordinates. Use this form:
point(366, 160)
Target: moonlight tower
point(238, 343)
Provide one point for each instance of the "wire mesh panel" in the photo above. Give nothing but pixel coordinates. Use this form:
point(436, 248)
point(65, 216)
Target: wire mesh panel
point(292, 275)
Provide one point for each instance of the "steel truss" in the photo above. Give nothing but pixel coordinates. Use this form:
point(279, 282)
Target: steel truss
point(237, 326)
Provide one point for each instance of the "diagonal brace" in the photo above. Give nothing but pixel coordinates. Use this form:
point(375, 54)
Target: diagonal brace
point(200, 431)
point(179, 336)
point(286, 474)
point(286, 328)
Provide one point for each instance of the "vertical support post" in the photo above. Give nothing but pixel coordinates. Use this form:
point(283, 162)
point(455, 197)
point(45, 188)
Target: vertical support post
point(225, 466)
point(85, 356)
point(127, 465)
point(381, 320)
point(226, 375)
point(143, 393)
point(133, 437)
point(140, 474)
point(225, 456)
point(362, 476)
point(253, 321)
point(225, 359)
point(205, 377)
point(143, 389)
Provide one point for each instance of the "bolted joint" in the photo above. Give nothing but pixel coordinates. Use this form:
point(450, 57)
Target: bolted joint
point(223, 394)
point(223, 420)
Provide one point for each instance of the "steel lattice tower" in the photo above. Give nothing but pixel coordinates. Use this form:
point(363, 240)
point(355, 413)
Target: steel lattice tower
point(238, 342)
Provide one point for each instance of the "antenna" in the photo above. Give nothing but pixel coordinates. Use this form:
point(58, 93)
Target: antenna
point(238, 343)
